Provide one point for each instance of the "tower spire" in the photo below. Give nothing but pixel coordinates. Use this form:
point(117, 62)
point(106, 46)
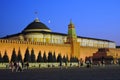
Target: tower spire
point(36, 19)
point(71, 21)
point(36, 14)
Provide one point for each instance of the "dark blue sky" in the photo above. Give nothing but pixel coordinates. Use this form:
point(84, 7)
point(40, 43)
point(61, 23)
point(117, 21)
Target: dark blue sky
point(92, 18)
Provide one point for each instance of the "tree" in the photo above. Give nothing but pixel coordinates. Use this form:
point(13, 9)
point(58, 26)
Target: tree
point(32, 56)
point(19, 57)
point(44, 57)
point(59, 58)
point(14, 56)
point(27, 56)
point(67, 58)
point(5, 57)
point(39, 58)
point(73, 59)
point(50, 59)
point(54, 57)
point(64, 59)
point(0, 58)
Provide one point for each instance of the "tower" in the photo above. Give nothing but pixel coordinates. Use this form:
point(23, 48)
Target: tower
point(72, 40)
point(71, 33)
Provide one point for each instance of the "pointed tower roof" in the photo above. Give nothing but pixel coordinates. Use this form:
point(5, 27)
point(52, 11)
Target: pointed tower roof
point(71, 23)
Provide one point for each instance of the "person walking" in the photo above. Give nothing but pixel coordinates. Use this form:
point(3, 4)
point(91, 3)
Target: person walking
point(11, 65)
point(60, 64)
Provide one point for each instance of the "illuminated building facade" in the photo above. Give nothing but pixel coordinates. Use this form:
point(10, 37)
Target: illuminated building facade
point(39, 37)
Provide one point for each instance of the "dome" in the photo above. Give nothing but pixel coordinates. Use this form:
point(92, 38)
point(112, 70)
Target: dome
point(36, 25)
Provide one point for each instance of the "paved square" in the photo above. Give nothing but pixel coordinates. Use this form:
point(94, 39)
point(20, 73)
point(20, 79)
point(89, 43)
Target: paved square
point(94, 73)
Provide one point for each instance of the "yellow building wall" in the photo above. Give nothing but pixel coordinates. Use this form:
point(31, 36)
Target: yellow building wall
point(8, 45)
point(87, 51)
point(75, 49)
point(114, 52)
point(64, 49)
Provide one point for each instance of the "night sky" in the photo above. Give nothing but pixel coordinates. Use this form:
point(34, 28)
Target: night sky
point(92, 18)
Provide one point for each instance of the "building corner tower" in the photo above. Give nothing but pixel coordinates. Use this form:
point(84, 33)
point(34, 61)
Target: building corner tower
point(72, 39)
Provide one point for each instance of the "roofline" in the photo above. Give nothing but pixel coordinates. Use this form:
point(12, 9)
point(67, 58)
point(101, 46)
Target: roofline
point(44, 32)
point(12, 35)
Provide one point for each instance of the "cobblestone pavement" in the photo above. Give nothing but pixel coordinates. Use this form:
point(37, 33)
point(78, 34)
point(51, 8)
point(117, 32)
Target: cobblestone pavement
point(93, 73)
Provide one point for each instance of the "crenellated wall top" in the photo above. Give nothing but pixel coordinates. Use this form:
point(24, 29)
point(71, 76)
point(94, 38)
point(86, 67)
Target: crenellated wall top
point(30, 42)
